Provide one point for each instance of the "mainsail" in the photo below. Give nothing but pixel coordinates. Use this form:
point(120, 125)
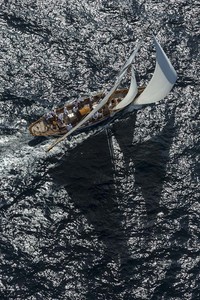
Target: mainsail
point(104, 100)
point(162, 81)
point(132, 92)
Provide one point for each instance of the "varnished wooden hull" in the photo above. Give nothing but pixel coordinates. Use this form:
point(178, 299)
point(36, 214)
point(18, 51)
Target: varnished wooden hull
point(44, 127)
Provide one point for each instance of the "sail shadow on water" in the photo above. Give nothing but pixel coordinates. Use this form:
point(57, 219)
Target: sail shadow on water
point(87, 174)
point(149, 159)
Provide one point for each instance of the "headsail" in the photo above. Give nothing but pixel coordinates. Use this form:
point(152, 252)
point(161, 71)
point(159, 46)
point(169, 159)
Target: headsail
point(162, 81)
point(104, 100)
point(133, 89)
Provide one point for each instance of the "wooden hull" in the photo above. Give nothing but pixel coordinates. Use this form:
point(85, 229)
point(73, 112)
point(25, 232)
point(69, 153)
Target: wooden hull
point(73, 113)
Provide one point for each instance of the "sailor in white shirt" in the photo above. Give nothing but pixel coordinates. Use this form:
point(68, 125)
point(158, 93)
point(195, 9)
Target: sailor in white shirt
point(66, 112)
point(69, 127)
point(97, 115)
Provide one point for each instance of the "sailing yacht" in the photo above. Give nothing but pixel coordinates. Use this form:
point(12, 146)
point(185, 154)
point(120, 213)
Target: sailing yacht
point(86, 113)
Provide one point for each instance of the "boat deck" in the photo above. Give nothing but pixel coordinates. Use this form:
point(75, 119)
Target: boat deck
point(61, 120)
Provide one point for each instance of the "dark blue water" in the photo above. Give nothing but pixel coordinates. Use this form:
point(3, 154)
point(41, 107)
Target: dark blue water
point(110, 214)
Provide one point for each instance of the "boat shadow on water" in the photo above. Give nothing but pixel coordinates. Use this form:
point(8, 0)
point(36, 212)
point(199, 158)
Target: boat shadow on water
point(88, 175)
point(37, 140)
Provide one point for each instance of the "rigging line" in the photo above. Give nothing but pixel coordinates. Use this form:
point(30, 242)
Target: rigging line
point(110, 145)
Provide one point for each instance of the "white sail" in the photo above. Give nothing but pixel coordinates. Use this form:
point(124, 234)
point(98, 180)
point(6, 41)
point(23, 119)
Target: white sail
point(132, 92)
point(162, 81)
point(103, 101)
